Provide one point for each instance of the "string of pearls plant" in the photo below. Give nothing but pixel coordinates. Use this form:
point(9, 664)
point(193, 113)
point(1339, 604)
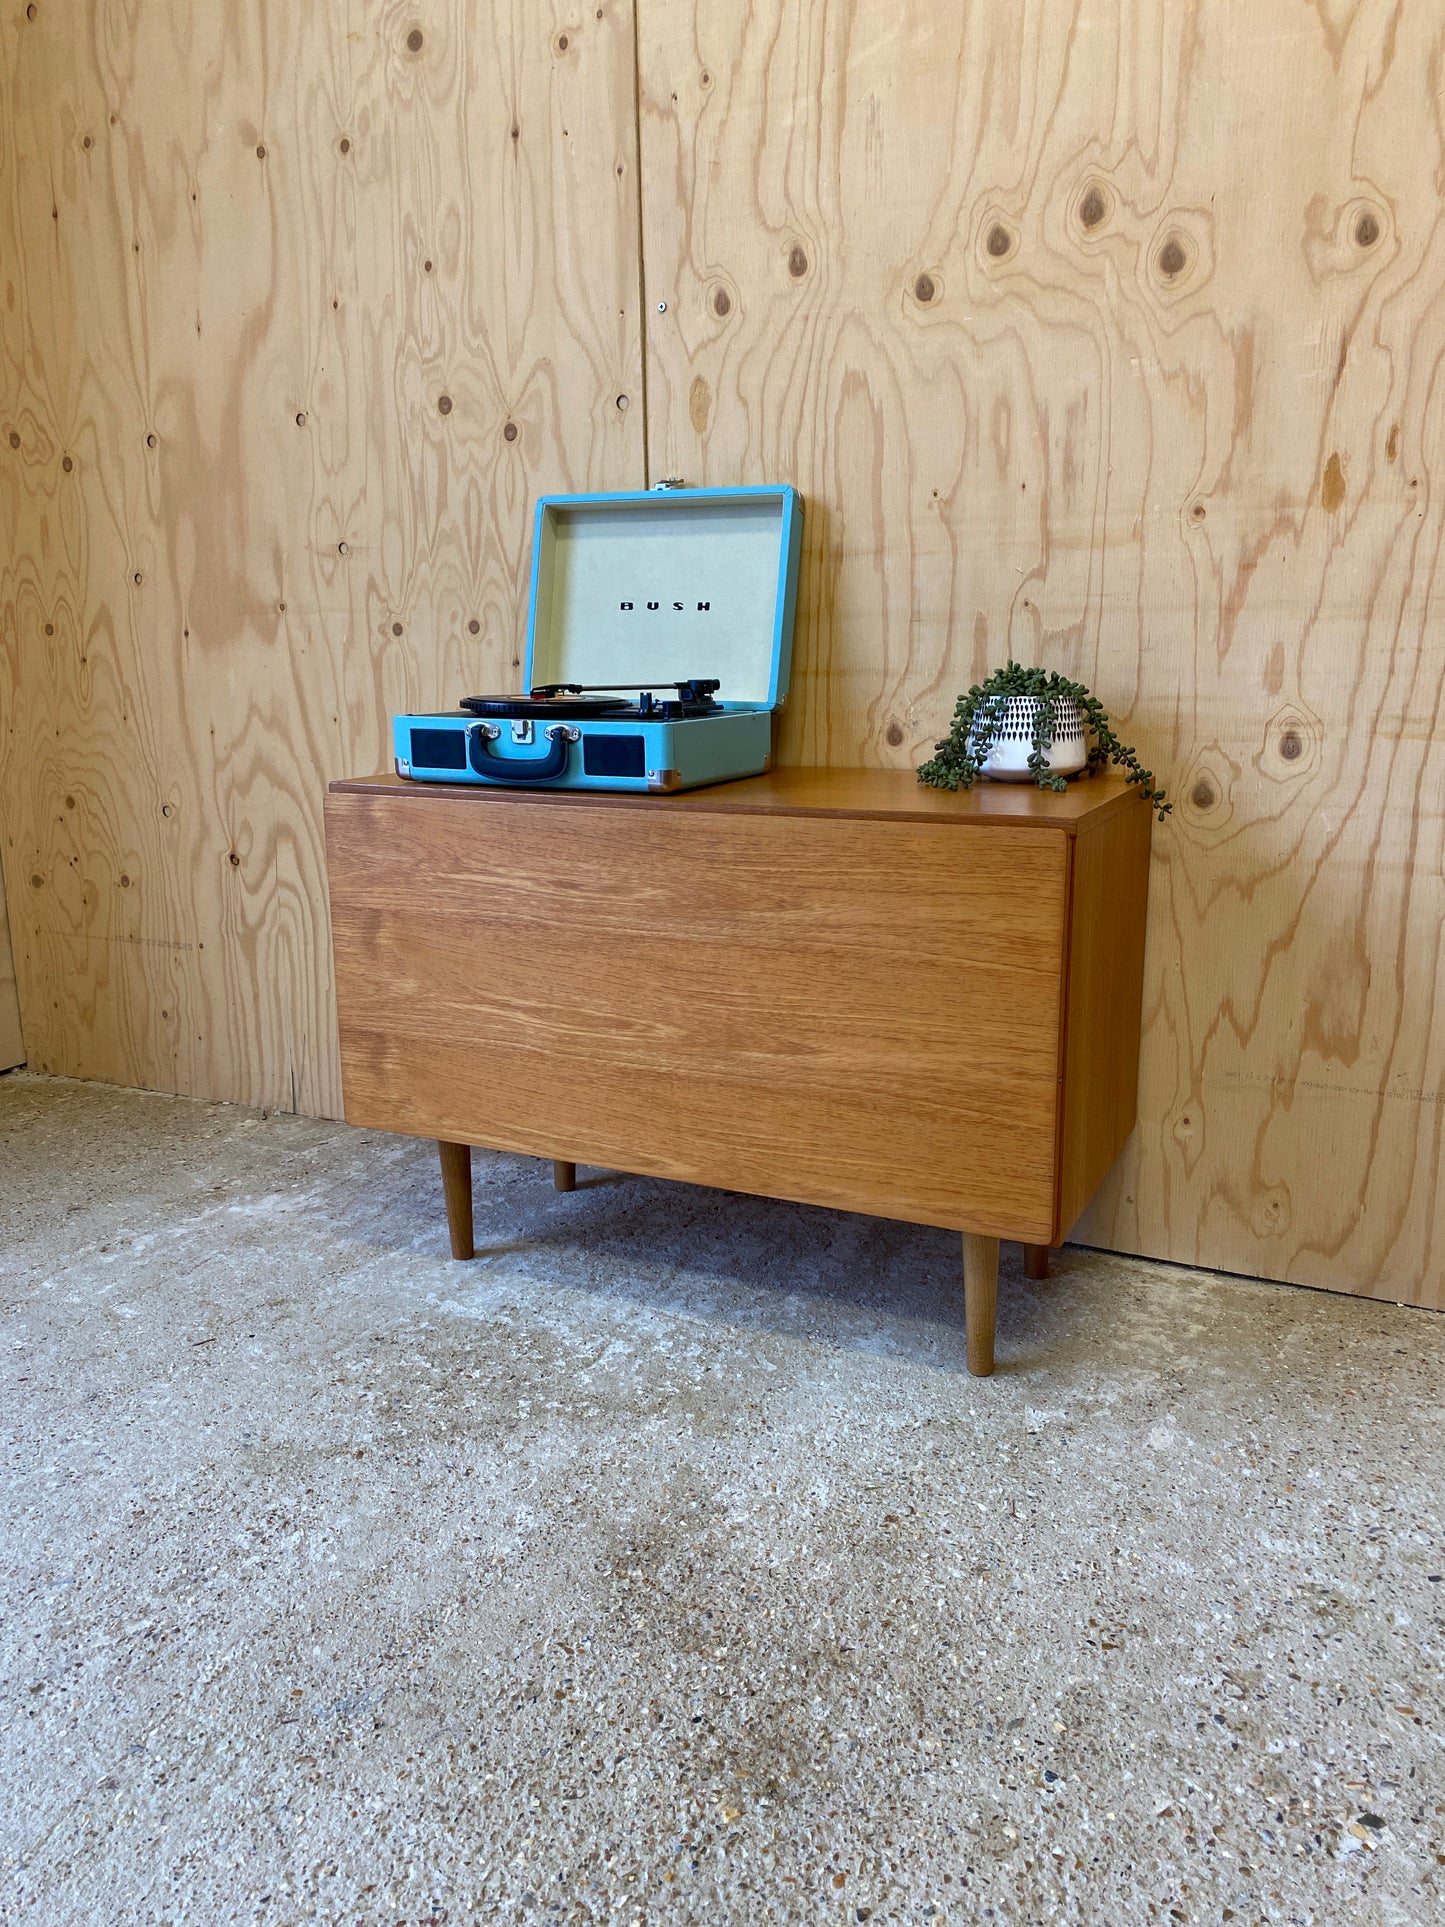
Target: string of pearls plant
point(987, 710)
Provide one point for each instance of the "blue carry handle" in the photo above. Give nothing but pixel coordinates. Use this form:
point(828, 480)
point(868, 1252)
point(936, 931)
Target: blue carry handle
point(518, 769)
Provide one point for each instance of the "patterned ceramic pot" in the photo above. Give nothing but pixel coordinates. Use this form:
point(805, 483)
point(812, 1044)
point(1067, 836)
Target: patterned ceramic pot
point(1011, 722)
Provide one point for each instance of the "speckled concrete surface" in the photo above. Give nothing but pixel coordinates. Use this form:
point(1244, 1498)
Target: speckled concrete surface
point(665, 1565)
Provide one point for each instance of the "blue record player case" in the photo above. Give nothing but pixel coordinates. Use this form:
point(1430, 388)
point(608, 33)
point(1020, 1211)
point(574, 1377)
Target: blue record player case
point(637, 592)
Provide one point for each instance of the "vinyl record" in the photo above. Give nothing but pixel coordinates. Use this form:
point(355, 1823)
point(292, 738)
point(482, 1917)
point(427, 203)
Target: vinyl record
point(557, 709)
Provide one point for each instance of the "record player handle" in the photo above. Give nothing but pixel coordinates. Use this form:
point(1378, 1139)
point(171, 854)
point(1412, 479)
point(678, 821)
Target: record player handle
point(518, 769)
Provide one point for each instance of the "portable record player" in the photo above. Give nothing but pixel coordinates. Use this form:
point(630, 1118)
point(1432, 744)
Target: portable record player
point(659, 642)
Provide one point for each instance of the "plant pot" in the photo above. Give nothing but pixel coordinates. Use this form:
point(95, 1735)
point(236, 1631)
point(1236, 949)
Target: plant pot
point(1003, 739)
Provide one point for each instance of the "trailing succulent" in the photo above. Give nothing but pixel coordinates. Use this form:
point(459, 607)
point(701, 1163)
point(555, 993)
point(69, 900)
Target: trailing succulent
point(979, 717)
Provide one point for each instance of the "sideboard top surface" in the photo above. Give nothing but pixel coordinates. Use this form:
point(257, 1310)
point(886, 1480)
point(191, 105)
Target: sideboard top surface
point(891, 794)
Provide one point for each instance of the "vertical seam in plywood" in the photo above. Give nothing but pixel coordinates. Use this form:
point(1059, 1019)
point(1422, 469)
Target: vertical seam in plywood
point(12, 1024)
point(641, 232)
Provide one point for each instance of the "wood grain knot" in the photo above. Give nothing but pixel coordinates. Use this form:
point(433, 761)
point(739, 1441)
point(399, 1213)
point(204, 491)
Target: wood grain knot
point(722, 304)
point(1204, 795)
point(344, 144)
point(1392, 444)
point(37, 882)
point(1094, 206)
point(444, 404)
point(415, 40)
point(14, 439)
point(1332, 484)
point(234, 861)
point(998, 241)
point(894, 733)
point(1172, 259)
point(70, 802)
point(474, 628)
point(86, 143)
point(342, 549)
point(509, 432)
point(797, 263)
point(124, 881)
point(561, 43)
point(396, 629)
point(50, 628)
point(1291, 743)
point(426, 267)
point(704, 78)
point(66, 463)
point(924, 289)
point(1198, 511)
point(1367, 230)
point(150, 441)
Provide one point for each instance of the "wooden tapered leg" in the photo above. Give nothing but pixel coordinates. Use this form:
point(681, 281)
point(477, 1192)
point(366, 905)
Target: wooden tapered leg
point(980, 1300)
point(1036, 1261)
point(564, 1175)
point(457, 1187)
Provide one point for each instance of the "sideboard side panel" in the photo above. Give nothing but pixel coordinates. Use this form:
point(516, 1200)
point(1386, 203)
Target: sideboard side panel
point(1110, 888)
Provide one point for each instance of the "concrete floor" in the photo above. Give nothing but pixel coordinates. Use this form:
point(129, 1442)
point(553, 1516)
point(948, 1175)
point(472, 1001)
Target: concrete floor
point(665, 1565)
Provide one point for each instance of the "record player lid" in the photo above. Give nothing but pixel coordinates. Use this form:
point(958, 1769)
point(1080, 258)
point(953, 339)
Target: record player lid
point(644, 588)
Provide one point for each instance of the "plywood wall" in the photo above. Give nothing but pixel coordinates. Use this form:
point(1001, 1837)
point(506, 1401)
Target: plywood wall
point(1109, 334)
point(12, 1042)
point(303, 306)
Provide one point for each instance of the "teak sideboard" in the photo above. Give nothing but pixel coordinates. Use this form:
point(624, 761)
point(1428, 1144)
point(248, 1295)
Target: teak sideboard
point(833, 986)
